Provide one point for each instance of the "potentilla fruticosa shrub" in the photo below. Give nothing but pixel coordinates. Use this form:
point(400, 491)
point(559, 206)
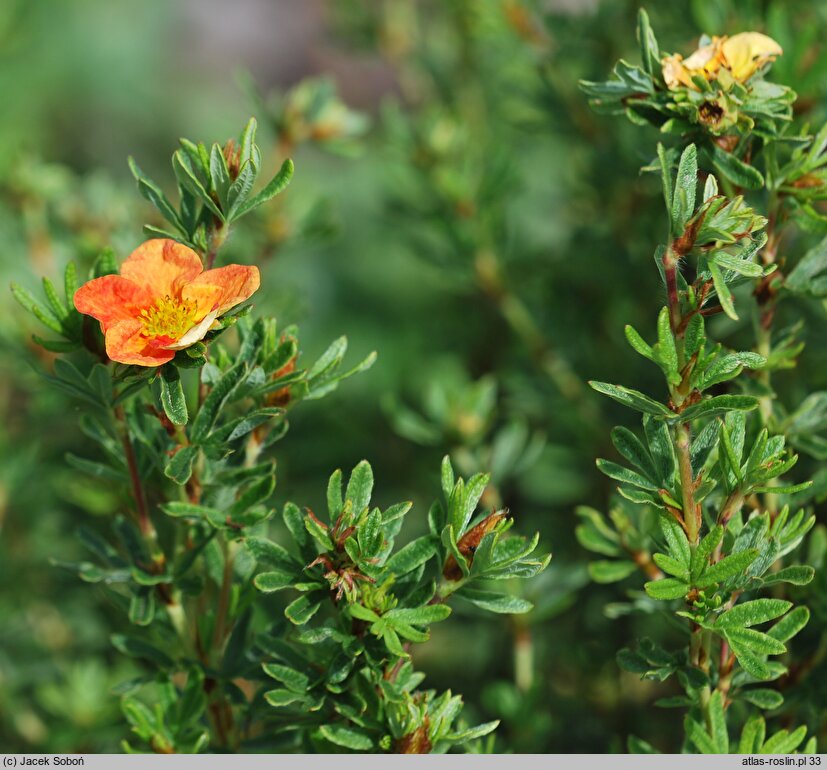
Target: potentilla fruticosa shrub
point(708, 512)
point(184, 394)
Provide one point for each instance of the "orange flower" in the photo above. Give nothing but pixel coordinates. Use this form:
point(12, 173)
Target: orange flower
point(162, 301)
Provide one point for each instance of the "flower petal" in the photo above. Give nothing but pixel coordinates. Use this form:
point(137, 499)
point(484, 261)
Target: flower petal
point(162, 266)
point(111, 298)
point(126, 345)
point(747, 51)
point(222, 288)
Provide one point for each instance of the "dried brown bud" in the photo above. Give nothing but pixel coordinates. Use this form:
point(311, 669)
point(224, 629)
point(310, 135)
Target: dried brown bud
point(469, 542)
point(416, 742)
point(281, 397)
point(232, 154)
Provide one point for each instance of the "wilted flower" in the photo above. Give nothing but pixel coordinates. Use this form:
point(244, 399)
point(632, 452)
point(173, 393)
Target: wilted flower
point(162, 301)
point(741, 55)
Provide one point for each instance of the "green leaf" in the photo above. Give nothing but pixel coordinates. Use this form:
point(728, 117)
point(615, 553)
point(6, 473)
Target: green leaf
point(676, 539)
point(271, 554)
point(142, 606)
point(736, 170)
point(70, 283)
point(699, 737)
point(729, 566)
point(179, 466)
point(763, 698)
point(289, 677)
point(473, 733)
point(753, 613)
point(319, 533)
point(804, 276)
point(594, 534)
point(138, 648)
point(346, 737)
point(172, 395)
point(27, 300)
point(179, 509)
point(58, 306)
point(149, 190)
point(360, 486)
point(666, 176)
point(671, 566)
point(447, 476)
point(716, 405)
point(686, 184)
point(797, 575)
point(610, 571)
point(275, 580)
point(495, 602)
point(786, 628)
point(430, 613)
point(638, 343)
point(220, 175)
point(753, 642)
point(471, 494)
point(666, 589)
point(631, 447)
point(255, 494)
point(667, 353)
point(283, 697)
point(700, 557)
point(624, 475)
point(785, 742)
point(204, 421)
point(649, 53)
point(186, 176)
point(412, 555)
point(632, 398)
point(294, 521)
point(720, 736)
point(301, 610)
point(334, 495)
point(273, 188)
point(724, 294)
point(752, 736)
point(728, 366)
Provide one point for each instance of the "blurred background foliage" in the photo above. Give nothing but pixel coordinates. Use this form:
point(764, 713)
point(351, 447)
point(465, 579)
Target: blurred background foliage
point(457, 207)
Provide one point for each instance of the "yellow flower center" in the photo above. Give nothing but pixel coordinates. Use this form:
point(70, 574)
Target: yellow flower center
point(169, 317)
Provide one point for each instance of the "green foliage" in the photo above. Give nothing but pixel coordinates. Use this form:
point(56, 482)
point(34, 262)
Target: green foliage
point(197, 429)
point(214, 187)
point(712, 463)
point(491, 242)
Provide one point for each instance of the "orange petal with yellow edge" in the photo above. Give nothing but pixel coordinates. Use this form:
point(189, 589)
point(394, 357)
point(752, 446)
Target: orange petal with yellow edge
point(126, 345)
point(162, 266)
point(222, 288)
point(111, 298)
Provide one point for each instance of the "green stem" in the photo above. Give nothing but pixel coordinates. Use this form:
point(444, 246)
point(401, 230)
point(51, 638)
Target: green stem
point(523, 655)
point(691, 511)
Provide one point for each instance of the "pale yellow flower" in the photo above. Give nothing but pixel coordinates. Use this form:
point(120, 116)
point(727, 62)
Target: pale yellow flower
point(742, 55)
point(747, 52)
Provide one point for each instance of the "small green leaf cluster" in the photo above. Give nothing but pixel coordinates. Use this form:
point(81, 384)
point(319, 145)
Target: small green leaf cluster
point(312, 112)
point(59, 314)
point(214, 188)
point(462, 413)
point(363, 602)
point(174, 724)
